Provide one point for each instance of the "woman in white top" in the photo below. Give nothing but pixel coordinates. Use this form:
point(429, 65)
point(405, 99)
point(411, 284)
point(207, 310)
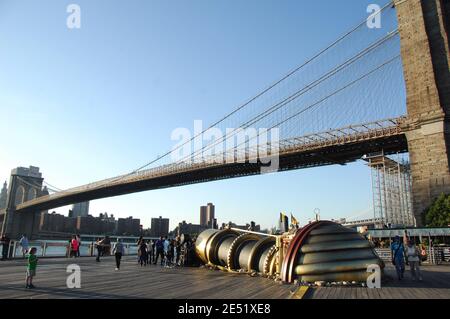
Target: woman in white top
point(413, 255)
point(23, 242)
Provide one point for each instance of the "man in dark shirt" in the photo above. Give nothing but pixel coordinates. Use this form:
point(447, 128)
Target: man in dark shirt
point(5, 246)
point(143, 253)
point(159, 250)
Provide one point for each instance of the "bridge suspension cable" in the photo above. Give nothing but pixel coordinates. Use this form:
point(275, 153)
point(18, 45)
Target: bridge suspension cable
point(324, 98)
point(377, 44)
point(294, 71)
point(53, 187)
point(35, 186)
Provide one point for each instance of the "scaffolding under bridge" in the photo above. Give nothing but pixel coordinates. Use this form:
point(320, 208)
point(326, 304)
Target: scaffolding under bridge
point(391, 185)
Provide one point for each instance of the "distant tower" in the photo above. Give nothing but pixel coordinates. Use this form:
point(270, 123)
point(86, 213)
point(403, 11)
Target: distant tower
point(210, 215)
point(3, 196)
point(283, 223)
point(80, 209)
point(203, 218)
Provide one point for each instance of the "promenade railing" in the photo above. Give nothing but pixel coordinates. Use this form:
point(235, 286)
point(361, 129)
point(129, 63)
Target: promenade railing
point(60, 248)
point(435, 255)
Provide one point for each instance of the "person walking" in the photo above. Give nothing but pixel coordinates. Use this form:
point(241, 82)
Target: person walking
point(143, 253)
point(78, 238)
point(150, 252)
point(169, 253)
point(178, 251)
point(413, 255)
point(118, 251)
point(74, 246)
point(166, 246)
point(5, 246)
point(172, 252)
point(106, 247)
point(69, 248)
point(99, 246)
point(398, 259)
point(183, 250)
point(31, 268)
point(24, 243)
point(423, 253)
point(138, 244)
point(159, 245)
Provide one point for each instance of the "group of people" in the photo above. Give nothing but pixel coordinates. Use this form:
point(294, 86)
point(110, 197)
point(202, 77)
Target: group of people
point(411, 254)
point(170, 252)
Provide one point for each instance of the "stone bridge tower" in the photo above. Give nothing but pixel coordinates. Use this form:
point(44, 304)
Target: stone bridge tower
point(424, 33)
point(25, 184)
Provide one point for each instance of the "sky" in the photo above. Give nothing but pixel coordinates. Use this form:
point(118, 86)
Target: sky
point(95, 102)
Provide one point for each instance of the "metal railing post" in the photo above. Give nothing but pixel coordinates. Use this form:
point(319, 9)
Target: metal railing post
point(14, 250)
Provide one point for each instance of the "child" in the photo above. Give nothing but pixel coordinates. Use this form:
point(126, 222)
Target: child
point(31, 268)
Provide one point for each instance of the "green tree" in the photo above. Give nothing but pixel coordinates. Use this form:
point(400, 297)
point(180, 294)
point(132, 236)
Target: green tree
point(438, 214)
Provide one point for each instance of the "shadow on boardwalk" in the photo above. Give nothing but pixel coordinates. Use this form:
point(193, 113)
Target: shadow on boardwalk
point(100, 280)
point(59, 292)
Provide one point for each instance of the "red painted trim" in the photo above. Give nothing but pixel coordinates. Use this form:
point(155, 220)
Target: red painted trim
point(289, 262)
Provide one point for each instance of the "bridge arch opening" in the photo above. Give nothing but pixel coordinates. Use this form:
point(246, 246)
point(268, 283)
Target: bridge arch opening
point(20, 195)
point(32, 194)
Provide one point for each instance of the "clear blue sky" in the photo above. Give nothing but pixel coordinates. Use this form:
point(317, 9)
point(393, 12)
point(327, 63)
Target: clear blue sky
point(99, 101)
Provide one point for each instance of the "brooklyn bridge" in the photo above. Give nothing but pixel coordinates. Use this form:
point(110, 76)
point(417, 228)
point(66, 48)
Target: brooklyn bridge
point(374, 89)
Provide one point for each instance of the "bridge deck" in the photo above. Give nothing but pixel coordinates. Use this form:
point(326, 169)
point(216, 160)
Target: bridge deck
point(100, 280)
point(346, 146)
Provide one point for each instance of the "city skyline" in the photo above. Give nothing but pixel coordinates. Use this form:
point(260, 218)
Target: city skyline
point(76, 122)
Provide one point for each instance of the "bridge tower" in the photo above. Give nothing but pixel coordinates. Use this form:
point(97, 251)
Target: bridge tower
point(25, 184)
point(424, 33)
point(3, 194)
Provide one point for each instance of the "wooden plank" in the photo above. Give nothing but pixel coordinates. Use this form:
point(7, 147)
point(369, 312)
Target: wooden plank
point(330, 292)
point(385, 293)
point(362, 293)
point(327, 292)
point(337, 293)
point(354, 294)
point(371, 293)
point(318, 293)
point(394, 292)
point(348, 293)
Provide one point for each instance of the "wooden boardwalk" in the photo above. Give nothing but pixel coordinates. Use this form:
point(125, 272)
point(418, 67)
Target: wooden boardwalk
point(435, 285)
point(100, 280)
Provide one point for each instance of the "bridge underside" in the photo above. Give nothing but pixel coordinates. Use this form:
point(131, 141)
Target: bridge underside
point(336, 154)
